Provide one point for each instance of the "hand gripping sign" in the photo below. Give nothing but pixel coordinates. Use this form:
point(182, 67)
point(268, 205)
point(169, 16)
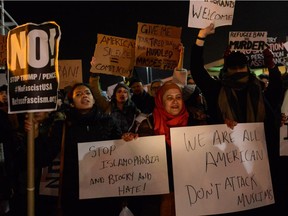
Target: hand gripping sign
point(32, 58)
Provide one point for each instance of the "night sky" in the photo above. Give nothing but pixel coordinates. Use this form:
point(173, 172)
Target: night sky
point(81, 21)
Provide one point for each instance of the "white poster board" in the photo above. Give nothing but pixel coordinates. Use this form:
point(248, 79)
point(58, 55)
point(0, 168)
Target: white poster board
point(203, 12)
point(251, 43)
point(218, 170)
point(118, 168)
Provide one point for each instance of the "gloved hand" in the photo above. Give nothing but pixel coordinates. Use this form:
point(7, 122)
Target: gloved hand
point(268, 58)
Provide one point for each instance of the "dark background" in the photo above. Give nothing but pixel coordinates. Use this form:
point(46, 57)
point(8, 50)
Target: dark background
point(81, 21)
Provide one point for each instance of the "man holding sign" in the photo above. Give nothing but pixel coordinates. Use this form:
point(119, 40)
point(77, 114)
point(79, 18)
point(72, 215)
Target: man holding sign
point(238, 96)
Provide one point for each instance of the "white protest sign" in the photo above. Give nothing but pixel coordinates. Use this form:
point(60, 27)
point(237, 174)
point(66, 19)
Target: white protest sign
point(278, 49)
point(251, 43)
point(70, 72)
point(203, 12)
point(286, 45)
point(247, 40)
point(228, 169)
point(118, 168)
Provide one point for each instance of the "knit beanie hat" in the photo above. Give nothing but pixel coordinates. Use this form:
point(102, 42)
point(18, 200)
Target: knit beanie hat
point(119, 85)
point(235, 59)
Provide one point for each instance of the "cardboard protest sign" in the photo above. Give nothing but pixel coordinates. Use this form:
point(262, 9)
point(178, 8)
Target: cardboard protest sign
point(50, 179)
point(228, 169)
point(113, 56)
point(251, 43)
point(70, 72)
point(32, 57)
point(157, 46)
point(3, 51)
point(118, 168)
point(203, 12)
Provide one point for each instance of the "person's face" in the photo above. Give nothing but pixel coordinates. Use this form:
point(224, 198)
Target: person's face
point(121, 95)
point(233, 70)
point(3, 96)
point(154, 88)
point(82, 98)
point(137, 88)
point(190, 81)
point(172, 101)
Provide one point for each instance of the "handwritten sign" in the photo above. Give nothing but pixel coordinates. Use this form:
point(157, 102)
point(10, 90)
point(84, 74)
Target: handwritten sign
point(157, 46)
point(32, 57)
point(119, 168)
point(114, 56)
point(70, 72)
point(228, 169)
point(204, 12)
point(251, 43)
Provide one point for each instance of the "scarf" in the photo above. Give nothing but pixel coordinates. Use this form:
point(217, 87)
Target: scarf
point(248, 88)
point(163, 121)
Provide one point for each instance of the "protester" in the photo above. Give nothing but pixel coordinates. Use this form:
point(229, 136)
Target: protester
point(6, 164)
point(120, 107)
point(13, 118)
point(126, 114)
point(143, 100)
point(238, 98)
point(154, 86)
point(195, 103)
point(170, 111)
point(84, 123)
point(44, 154)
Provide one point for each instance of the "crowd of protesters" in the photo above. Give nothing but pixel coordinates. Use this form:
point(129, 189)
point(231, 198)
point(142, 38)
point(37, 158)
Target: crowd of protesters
point(238, 96)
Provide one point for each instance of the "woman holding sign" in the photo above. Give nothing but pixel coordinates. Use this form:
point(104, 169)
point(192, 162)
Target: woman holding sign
point(120, 107)
point(170, 111)
point(84, 123)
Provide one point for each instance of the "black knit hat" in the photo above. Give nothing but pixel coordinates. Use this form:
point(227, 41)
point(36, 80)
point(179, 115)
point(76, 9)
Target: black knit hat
point(134, 80)
point(119, 85)
point(235, 59)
